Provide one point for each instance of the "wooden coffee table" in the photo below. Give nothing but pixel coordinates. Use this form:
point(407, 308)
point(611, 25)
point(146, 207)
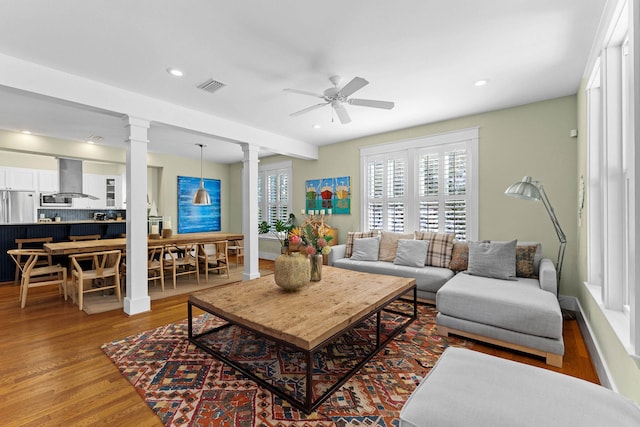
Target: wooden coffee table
point(307, 321)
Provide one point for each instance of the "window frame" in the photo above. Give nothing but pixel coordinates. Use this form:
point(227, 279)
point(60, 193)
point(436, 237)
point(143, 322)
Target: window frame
point(410, 150)
point(613, 131)
point(264, 171)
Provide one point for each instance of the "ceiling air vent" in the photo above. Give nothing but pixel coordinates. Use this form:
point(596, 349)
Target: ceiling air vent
point(211, 85)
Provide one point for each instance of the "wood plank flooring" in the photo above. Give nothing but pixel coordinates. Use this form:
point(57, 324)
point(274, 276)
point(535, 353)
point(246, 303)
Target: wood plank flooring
point(53, 373)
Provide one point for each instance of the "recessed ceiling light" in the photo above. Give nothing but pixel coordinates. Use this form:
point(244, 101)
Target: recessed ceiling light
point(94, 138)
point(175, 72)
point(481, 82)
point(316, 126)
point(26, 132)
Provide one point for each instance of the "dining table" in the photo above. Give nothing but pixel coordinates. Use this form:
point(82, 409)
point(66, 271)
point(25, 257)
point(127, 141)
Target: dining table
point(84, 246)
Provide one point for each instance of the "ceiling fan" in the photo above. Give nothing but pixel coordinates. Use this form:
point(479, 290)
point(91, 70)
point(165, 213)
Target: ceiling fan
point(336, 96)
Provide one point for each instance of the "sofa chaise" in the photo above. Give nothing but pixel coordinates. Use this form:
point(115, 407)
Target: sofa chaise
point(517, 310)
point(468, 388)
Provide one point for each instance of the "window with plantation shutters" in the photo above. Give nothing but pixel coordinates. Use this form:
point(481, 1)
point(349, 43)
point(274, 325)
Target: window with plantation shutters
point(425, 184)
point(274, 192)
point(442, 178)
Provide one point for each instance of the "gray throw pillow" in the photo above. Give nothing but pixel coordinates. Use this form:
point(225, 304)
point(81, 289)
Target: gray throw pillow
point(411, 253)
point(493, 259)
point(365, 249)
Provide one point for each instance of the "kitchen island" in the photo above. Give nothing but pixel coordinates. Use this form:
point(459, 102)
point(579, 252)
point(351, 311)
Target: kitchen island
point(60, 231)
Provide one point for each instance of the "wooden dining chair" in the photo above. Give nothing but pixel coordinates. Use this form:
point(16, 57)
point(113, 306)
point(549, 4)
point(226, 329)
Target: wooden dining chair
point(105, 265)
point(181, 260)
point(215, 257)
point(32, 243)
point(34, 274)
point(236, 248)
point(155, 271)
point(84, 237)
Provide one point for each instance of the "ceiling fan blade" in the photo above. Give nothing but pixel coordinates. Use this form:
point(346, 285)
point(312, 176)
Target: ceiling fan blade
point(371, 103)
point(342, 113)
point(356, 84)
point(306, 110)
point(304, 92)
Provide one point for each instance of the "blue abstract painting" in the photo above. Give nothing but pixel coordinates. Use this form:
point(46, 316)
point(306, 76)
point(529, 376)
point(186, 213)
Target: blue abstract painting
point(192, 218)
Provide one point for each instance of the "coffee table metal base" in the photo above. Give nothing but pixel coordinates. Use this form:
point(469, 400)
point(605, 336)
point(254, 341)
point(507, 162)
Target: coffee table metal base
point(308, 404)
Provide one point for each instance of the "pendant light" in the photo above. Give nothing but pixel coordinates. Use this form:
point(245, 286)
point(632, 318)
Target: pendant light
point(201, 197)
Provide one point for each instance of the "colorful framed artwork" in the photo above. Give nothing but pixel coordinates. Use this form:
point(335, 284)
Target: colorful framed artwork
point(328, 195)
point(193, 218)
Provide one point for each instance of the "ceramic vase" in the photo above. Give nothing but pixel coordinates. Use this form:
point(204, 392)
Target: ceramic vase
point(292, 272)
point(316, 267)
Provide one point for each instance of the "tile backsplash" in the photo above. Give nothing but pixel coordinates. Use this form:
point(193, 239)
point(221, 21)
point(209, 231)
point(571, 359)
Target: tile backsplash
point(79, 214)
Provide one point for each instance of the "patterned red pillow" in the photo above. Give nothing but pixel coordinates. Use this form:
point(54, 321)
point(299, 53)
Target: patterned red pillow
point(460, 257)
point(525, 261)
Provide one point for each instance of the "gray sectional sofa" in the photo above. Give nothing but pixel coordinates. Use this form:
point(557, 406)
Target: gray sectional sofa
point(428, 279)
point(522, 313)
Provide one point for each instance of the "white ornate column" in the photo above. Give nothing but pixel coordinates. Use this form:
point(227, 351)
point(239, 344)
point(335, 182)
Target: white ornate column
point(137, 299)
point(250, 211)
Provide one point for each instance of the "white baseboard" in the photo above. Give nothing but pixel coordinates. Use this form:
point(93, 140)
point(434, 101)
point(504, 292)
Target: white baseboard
point(604, 375)
point(268, 255)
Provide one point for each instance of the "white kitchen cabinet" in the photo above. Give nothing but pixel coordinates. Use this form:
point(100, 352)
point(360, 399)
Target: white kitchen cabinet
point(4, 184)
point(91, 185)
point(22, 179)
point(48, 181)
point(107, 188)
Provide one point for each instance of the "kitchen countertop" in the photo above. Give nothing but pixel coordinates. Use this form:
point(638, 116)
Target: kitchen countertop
point(81, 221)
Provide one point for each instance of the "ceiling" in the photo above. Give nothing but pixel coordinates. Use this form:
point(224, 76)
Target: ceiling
point(424, 55)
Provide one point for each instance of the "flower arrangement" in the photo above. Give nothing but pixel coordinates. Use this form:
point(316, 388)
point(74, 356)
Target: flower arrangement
point(314, 238)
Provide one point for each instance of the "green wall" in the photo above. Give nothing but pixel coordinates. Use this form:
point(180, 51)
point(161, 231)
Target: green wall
point(528, 140)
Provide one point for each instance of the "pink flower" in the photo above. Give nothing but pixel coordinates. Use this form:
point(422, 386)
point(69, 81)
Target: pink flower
point(311, 250)
point(321, 242)
point(294, 239)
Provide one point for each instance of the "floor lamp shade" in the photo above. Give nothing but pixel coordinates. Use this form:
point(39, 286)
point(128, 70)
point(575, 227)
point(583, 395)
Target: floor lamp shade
point(527, 189)
point(201, 197)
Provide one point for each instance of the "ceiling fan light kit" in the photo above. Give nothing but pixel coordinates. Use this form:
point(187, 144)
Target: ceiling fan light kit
point(337, 96)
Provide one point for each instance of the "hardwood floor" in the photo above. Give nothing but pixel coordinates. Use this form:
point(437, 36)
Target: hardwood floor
point(53, 373)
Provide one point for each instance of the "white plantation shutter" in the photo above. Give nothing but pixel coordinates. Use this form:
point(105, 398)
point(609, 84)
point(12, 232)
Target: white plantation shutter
point(396, 194)
point(455, 205)
point(423, 185)
point(386, 194)
point(429, 216)
point(260, 197)
point(274, 193)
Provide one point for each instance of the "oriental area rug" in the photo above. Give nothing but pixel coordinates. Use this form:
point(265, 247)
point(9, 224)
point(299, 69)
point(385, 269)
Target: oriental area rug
point(186, 386)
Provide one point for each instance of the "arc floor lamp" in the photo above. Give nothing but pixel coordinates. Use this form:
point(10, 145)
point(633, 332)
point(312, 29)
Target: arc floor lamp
point(527, 189)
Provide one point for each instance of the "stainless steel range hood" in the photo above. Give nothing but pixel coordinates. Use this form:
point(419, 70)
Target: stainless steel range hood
point(70, 175)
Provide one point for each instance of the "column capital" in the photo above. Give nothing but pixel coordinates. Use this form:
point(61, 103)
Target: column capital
point(136, 121)
point(137, 128)
point(250, 152)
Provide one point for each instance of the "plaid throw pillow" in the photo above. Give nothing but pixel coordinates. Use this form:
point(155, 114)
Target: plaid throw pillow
point(351, 235)
point(440, 248)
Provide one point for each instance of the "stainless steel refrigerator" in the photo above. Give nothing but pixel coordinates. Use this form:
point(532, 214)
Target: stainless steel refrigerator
point(17, 207)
